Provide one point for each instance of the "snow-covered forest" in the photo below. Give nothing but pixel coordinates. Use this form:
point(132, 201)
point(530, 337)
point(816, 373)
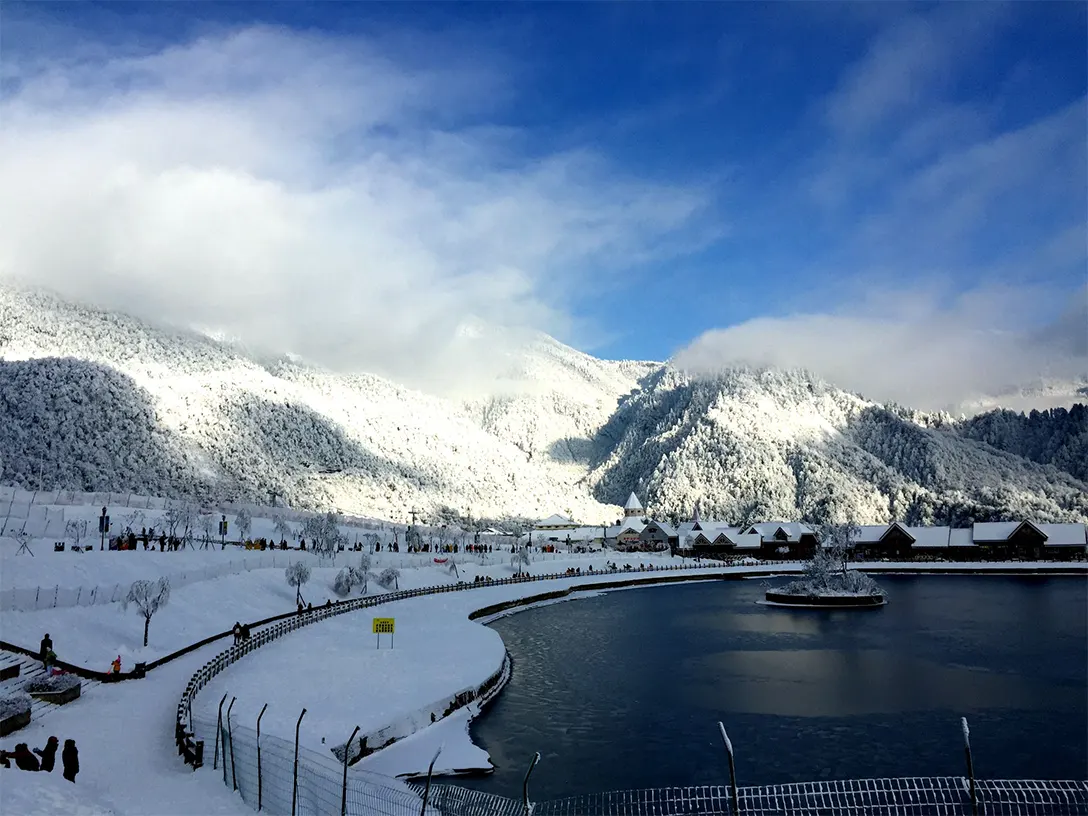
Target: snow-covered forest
point(98, 401)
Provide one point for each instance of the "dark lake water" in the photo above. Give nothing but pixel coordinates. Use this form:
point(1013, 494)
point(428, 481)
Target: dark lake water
point(624, 690)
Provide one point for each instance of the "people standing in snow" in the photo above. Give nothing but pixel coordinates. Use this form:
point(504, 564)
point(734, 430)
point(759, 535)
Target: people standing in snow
point(24, 760)
point(115, 666)
point(237, 632)
point(48, 754)
point(46, 647)
point(69, 757)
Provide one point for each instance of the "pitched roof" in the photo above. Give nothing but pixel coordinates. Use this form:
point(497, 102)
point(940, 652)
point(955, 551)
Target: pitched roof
point(667, 529)
point(870, 533)
point(793, 529)
point(555, 520)
point(1063, 535)
point(961, 537)
point(997, 530)
point(929, 536)
point(635, 525)
point(632, 503)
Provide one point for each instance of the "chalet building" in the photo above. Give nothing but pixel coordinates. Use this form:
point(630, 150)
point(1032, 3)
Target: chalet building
point(626, 533)
point(897, 541)
point(712, 539)
point(789, 539)
point(986, 540)
point(657, 535)
point(555, 522)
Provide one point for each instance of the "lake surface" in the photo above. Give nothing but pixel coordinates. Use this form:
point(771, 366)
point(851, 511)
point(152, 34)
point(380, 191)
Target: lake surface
point(624, 690)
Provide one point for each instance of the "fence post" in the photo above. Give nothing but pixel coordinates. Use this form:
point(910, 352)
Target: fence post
point(294, 788)
point(525, 784)
point(970, 765)
point(427, 785)
point(344, 787)
point(230, 737)
point(260, 780)
point(218, 728)
point(732, 770)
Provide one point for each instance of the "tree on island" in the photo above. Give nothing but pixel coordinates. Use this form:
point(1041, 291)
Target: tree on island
point(149, 597)
point(826, 574)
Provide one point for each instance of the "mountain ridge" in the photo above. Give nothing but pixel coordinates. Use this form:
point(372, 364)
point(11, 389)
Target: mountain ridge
point(557, 430)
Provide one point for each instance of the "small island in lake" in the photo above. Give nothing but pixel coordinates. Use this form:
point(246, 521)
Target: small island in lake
point(826, 582)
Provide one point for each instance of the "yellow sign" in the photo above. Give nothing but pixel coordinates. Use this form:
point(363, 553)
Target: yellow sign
point(383, 626)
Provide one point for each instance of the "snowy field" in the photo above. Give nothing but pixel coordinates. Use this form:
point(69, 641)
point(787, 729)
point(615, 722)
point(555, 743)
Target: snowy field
point(129, 764)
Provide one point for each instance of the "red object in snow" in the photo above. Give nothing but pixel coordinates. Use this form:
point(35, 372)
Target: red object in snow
point(441, 560)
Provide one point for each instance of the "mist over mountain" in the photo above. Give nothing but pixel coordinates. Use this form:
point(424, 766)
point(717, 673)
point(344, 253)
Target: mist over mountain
point(92, 399)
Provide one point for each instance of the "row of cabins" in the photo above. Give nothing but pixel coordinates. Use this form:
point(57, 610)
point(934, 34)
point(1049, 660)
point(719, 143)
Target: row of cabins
point(794, 540)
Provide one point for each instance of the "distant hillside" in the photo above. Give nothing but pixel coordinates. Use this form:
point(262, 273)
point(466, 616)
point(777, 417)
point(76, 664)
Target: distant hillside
point(101, 401)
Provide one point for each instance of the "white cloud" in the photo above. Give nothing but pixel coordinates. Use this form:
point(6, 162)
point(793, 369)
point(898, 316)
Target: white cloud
point(923, 348)
point(310, 194)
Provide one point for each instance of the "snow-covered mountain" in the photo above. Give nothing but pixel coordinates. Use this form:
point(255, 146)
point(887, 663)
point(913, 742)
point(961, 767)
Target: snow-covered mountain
point(97, 400)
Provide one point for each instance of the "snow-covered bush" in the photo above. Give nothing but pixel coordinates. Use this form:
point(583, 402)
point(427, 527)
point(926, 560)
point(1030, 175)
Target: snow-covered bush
point(149, 597)
point(390, 577)
point(51, 683)
point(520, 558)
point(297, 574)
point(826, 575)
point(15, 703)
point(348, 578)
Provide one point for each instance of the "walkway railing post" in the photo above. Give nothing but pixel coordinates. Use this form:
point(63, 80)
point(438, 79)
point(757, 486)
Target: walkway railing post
point(525, 784)
point(230, 737)
point(344, 788)
point(260, 780)
point(218, 728)
point(427, 785)
point(970, 764)
point(732, 770)
point(294, 788)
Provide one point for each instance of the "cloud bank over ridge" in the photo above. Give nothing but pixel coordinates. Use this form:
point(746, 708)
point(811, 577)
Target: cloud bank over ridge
point(315, 194)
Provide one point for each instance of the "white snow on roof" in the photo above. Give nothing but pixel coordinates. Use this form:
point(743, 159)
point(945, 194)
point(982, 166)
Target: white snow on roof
point(870, 533)
point(1063, 535)
point(555, 520)
point(929, 536)
point(793, 529)
point(963, 537)
point(634, 525)
point(752, 541)
point(995, 530)
point(667, 529)
point(632, 503)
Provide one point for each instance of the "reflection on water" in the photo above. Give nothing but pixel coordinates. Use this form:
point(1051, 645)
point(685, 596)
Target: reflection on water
point(624, 690)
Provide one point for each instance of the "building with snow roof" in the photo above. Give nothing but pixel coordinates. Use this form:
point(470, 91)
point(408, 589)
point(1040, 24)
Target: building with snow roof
point(785, 538)
point(555, 522)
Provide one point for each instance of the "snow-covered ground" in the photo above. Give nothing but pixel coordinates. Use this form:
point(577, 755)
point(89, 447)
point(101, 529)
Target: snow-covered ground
point(129, 764)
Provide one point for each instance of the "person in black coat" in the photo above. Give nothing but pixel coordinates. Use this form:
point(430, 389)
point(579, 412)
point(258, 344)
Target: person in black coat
point(46, 646)
point(48, 754)
point(24, 759)
point(70, 757)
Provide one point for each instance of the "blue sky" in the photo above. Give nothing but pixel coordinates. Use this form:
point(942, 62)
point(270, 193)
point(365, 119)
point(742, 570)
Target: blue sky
point(768, 183)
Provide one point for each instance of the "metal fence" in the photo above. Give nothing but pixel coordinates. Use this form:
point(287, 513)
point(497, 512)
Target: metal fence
point(919, 796)
point(31, 599)
point(272, 775)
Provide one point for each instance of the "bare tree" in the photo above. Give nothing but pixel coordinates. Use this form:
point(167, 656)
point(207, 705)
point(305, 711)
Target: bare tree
point(189, 516)
point(133, 520)
point(76, 530)
point(207, 527)
point(297, 574)
point(837, 540)
point(149, 597)
point(172, 518)
point(284, 529)
point(520, 558)
point(243, 522)
point(323, 533)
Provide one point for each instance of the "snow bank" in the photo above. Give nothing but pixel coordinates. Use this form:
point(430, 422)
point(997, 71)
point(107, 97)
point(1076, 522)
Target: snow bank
point(47, 794)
